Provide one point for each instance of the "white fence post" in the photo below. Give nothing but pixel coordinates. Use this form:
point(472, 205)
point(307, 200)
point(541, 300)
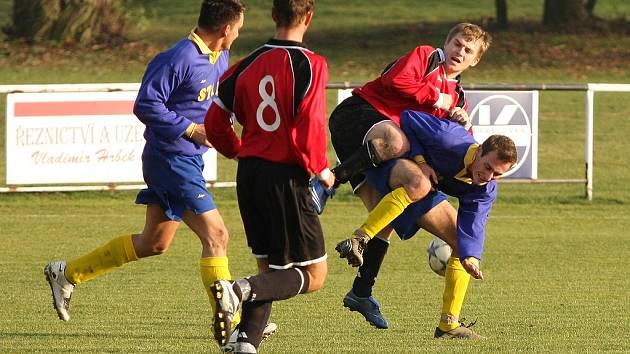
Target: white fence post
point(588, 145)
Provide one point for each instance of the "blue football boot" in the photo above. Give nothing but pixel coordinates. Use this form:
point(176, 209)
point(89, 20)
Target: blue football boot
point(368, 307)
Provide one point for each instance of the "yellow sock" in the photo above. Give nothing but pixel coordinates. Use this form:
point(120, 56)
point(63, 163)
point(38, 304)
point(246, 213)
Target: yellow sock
point(113, 254)
point(388, 209)
point(455, 287)
point(213, 269)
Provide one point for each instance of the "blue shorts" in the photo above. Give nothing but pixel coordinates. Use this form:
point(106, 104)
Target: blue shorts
point(175, 182)
point(405, 224)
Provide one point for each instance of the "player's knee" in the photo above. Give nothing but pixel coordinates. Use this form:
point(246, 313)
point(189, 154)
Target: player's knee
point(388, 141)
point(399, 145)
point(408, 175)
point(387, 149)
point(220, 237)
point(158, 249)
point(150, 246)
point(417, 187)
point(316, 278)
point(316, 283)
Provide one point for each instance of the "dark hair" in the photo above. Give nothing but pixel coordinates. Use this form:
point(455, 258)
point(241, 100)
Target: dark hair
point(215, 14)
point(504, 146)
point(290, 12)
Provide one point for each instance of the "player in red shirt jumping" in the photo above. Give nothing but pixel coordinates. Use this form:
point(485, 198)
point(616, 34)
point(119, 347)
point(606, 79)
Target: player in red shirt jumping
point(277, 94)
point(365, 132)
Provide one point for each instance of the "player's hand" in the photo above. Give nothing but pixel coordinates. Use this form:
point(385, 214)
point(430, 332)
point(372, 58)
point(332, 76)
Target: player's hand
point(460, 116)
point(199, 135)
point(447, 102)
point(429, 173)
point(328, 182)
point(471, 264)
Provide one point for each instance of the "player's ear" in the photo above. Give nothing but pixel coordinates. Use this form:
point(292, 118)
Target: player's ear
point(225, 30)
point(308, 18)
point(479, 151)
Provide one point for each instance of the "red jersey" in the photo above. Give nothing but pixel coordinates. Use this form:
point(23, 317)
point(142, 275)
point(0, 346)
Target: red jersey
point(413, 82)
point(277, 94)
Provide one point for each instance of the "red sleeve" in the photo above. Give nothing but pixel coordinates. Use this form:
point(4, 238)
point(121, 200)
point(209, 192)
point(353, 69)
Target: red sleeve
point(406, 77)
point(309, 133)
point(220, 131)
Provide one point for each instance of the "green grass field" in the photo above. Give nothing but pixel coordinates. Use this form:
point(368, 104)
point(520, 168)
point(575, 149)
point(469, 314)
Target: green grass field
point(554, 262)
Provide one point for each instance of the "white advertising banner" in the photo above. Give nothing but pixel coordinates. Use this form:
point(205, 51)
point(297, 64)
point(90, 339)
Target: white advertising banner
point(510, 113)
point(82, 137)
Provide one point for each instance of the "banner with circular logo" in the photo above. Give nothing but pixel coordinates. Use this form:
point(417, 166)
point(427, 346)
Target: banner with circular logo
point(511, 113)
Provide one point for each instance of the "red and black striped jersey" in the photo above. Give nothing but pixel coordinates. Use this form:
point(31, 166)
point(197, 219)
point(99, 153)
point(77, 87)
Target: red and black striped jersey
point(277, 93)
point(413, 82)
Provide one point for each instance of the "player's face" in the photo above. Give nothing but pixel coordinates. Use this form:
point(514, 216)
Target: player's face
point(461, 53)
point(488, 167)
point(232, 33)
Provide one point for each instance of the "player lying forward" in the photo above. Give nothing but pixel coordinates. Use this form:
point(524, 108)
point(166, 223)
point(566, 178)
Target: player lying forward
point(445, 157)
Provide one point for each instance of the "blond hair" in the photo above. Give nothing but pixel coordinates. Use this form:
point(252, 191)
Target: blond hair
point(471, 32)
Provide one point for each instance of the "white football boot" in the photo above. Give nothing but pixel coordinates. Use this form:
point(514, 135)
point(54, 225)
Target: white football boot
point(61, 288)
point(244, 348)
point(268, 331)
point(227, 304)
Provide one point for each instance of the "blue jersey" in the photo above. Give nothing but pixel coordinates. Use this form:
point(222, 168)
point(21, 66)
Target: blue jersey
point(177, 89)
point(450, 149)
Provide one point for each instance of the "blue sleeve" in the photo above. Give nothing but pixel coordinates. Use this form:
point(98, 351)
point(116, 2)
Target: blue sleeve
point(151, 108)
point(472, 217)
point(419, 130)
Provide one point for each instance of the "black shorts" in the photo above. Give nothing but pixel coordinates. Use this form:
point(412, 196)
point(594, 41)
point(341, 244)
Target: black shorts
point(349, 123)
point(275, 205)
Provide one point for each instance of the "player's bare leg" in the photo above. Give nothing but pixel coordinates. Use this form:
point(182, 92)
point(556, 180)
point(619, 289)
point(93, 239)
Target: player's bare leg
point(157, 235)
point(384, 141)
point(213, 265)
point(62, 277)
point(389, 140)
point(408, 183)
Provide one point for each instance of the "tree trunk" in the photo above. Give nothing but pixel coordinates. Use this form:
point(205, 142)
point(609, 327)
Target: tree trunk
point(558, 13)
point(67, 21)
point(502, 14)
point(590, 6)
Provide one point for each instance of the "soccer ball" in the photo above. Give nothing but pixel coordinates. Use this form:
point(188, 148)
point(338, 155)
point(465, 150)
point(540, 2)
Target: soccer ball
point(439, 253)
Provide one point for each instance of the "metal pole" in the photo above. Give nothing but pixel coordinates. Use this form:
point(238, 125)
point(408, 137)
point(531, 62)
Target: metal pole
point(588, 149)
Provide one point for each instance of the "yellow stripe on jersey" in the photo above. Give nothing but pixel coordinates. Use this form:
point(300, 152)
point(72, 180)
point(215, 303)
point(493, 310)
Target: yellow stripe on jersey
point(468, 160)
point(213, 56)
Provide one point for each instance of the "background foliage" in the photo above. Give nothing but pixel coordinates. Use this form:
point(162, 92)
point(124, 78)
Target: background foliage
point(554, 262)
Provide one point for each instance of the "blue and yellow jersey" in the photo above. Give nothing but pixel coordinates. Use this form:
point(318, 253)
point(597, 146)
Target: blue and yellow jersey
point(177, 89)
point(450, 149)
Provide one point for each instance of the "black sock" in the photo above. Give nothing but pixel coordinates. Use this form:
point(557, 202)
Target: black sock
point(358, 162)
point(278, 285)
point(372, 261)
point(253, 322)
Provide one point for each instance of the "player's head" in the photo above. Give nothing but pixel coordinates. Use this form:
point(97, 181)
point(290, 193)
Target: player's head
point(496, 156)
point(464, 46)
point(224, 17)
point(291, 13)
